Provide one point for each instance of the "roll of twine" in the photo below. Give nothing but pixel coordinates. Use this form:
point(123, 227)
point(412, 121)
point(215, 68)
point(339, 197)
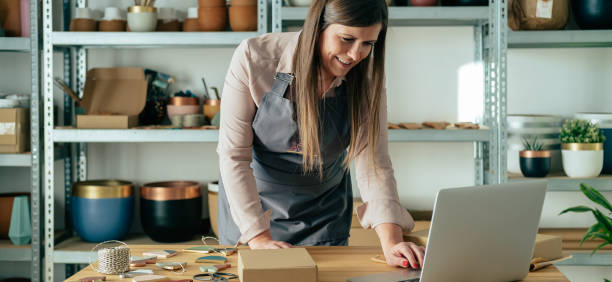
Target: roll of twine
point(112, 260)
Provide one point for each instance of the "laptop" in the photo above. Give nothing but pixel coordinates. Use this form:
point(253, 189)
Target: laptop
point(482, 233)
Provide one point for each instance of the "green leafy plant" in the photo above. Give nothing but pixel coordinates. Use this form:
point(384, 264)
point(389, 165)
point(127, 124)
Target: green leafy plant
point(581, 131)
point(532, 144)
point(603, 228)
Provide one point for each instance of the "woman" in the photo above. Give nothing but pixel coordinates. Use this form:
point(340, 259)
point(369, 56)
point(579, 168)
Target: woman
point(297, 109)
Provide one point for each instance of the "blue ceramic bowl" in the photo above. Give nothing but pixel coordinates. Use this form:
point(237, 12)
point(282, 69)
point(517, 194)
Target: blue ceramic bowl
point(102, 210)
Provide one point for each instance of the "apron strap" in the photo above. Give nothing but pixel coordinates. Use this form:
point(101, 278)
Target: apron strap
point(281, 83)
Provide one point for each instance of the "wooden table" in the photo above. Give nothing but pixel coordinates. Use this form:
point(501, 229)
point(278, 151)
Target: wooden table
point(335, 264)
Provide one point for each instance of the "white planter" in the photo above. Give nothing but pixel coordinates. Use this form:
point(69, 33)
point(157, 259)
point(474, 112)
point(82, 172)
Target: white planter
point(582, 160)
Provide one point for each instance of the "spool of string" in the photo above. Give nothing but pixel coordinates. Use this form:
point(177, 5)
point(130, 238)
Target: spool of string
point(112, 260)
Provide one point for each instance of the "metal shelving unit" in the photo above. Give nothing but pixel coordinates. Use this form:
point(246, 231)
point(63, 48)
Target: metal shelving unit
point(78, 43)
point(149, 39)
point(560, 39)
point(490, 47)
point(30, 253)
point(15, 44)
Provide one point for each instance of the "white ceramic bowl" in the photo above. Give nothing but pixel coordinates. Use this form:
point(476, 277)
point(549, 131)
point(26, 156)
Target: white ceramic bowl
point(582, 164)
point(142, 21)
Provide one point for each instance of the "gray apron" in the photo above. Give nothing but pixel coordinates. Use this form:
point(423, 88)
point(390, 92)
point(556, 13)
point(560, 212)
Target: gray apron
point(306, 210)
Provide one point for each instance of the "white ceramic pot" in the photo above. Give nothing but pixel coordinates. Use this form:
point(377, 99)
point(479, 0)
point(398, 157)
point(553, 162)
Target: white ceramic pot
point(582, 160)
point(142, 19)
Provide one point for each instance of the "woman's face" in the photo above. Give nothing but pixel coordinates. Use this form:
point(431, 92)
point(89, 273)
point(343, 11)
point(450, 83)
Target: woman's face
point(343, 47)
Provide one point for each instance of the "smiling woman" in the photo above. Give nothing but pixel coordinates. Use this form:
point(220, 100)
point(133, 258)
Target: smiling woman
point(297, 109)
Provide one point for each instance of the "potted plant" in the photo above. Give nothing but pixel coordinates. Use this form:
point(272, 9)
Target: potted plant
point(602, 229)
point(581, 148)
point(534, 160)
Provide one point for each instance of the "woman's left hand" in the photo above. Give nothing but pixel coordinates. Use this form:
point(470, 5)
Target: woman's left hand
point(405, 254)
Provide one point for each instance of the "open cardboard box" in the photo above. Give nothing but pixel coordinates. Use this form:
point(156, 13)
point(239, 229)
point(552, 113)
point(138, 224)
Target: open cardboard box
point(113, 98)
point(14, 130)
point(294, 264)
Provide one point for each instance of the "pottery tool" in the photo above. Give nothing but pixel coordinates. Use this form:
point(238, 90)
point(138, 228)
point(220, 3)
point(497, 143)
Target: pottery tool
point(218, 276)
point(149, 278)
point(112, 260)
point(201, 249)
point(93, 279)
point(206, 94)
point(61, 84)
point(137, 272)
point(137, 261)
point(160, 254)
point(216, 92)
point(172, 265)
point(214, 268)
point(211, 259)
point(227, 251)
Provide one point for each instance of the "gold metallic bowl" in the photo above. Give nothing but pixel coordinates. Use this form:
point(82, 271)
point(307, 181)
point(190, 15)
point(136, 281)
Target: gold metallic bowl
point(142, 9)
point(170, 190)
point(103, 189)
point(180, 101)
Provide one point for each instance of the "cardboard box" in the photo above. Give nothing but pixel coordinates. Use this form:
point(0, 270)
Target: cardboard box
point(113, 98)
point(14, 130)
point(294, 265)
point(548, 247)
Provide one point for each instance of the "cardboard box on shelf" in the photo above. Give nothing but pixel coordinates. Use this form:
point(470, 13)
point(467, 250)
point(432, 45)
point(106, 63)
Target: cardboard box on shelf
point(14, 130)
point(113, 98)
point(548, 247)
point(276, 265)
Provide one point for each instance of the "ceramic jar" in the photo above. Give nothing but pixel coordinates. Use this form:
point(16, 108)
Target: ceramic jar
point(171, 211)
point(113, 21)
point(243, 16)
point(191, 22)
point(535, 163)
point(167, 20)
point(83, 21)
point(102, 210)
point(142, 18)
point(593, 14)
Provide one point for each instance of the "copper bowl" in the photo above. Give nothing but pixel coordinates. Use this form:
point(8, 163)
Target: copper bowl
point(170, 190)
point(181, 101)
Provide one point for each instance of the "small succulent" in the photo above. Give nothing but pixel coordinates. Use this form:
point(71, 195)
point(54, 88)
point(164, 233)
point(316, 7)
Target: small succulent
point(532, 144)
point(581, 131)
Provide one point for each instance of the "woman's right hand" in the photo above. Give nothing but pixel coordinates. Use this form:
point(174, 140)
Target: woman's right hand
point(264, 241)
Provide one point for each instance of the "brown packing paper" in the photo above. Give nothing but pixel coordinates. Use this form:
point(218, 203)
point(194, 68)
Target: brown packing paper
point(14, 130)
point(548, 247)
point(113, 98)
point(539, 263)
point(276, 265)
point(522, 15)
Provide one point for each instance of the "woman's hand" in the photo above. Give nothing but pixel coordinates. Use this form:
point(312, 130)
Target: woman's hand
point(397, 252)
point(264, 241)
point(405, 254)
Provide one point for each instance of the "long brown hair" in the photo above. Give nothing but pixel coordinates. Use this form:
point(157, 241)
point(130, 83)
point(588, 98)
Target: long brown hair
point(364, 82)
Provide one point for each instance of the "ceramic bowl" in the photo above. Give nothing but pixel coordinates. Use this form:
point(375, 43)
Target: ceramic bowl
point(243, 18)
point(83, 25)
point(112, 25)
point(212, 18)
point(179, 101)
point(211, 108)
point(190, 25)
point(142, 19)
point(593, 14)
point(171, 211)
point(174, 110)
point(102, 210)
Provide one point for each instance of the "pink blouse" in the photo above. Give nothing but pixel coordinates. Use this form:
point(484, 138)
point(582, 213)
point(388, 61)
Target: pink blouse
point(251, 73)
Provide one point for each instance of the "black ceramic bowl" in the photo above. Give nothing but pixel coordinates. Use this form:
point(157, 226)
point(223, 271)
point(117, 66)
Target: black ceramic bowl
point(535, 163)
point(465, 2)
point(593, 14)
point(171, 211)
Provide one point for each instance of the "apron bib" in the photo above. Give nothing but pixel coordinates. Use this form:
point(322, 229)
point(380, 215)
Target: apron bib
point(306, 210)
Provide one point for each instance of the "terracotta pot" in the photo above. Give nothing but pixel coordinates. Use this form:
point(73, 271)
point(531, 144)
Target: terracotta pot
point(212, 18)
point(83, 25)
point(112, 25)
point(424, 2)
point(243, 2)
point(191, 25)
point(243, 18)
point(172, 25)
point(211, 3)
